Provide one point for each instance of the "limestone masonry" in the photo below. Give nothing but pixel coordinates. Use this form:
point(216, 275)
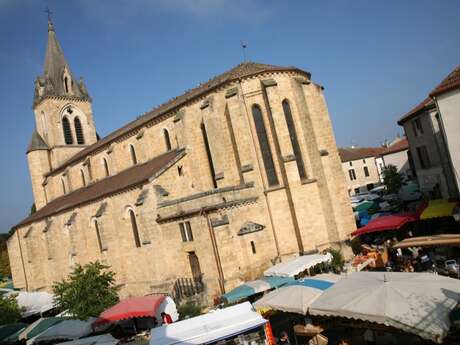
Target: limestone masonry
point(215, 185)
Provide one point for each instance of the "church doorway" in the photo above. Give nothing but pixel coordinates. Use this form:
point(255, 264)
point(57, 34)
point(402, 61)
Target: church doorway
point(195, 266)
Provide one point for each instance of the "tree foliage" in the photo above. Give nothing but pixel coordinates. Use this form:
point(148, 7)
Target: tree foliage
point(88, 291)
point(338, 261)
point(391, 179)
point(9, 310)
point(4, 260)
point(189, 309)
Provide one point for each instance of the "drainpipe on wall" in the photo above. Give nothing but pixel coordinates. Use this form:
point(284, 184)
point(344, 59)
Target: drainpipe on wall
point(215, 250)
point(22, 261)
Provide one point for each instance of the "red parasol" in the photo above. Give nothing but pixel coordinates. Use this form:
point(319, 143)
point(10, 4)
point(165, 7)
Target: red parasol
point(131, 307)
point(385, 223)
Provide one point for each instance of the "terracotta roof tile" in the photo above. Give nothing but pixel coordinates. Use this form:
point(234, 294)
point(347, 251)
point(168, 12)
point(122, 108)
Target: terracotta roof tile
point(427, 103)
point(351, 154)
point(401, 145)
point(242, 70)
point(452, 81)
point(126, 179)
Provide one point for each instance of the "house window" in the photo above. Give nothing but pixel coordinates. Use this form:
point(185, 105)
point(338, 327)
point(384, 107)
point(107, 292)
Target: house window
point(67, 131)
point(357, 190)
point(253, 247)
point(364, 161)
point(186, 232)
point(208, 155)
point(167, 140)
point(417, 127)
point(294, 141)
point(352, 174)
point(78, 131)
point(351, 164)
point(264, 144)
point(366, 171)
point(423, 157)
point(98, 234)
point(133, 154)
point(137, 239)
point(106, 167)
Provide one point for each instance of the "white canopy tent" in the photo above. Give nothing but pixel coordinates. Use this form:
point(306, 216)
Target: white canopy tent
point(67, 329)
point(210, 327)
point(298, 265)
point(417, 303)
point(33, 302)
point(103, 339)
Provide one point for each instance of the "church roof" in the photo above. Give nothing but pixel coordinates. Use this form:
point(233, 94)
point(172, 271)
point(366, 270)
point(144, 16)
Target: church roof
point(129, 178)
point(37, 143)
point(243, 70)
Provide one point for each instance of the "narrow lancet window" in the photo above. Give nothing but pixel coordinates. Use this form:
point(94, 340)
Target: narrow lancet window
point(294, 140)
point(106, 167)
point(208, 155)
point(264, 144)
point(137, 239)
point(133, 154)
point(167, 140)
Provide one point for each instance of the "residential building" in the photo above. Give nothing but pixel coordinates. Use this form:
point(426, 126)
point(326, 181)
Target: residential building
point(360, 168)
point(396, 154)
point(214, 185)
point(432, 132)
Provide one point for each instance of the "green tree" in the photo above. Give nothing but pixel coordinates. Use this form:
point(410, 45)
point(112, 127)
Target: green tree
point(391, 179)
point(89, 290)
point(4, 260)
point(189, 309)
point(338, 261)
point(9, 310)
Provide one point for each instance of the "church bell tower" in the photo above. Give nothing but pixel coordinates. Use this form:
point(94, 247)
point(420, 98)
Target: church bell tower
point(64, 123)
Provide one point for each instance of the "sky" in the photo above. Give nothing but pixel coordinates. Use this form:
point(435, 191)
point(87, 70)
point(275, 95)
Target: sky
point(376, 60)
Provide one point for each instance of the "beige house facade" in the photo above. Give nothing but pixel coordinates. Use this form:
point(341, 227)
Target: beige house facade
point(432, 132)
point(360, 169)
point(215, 185)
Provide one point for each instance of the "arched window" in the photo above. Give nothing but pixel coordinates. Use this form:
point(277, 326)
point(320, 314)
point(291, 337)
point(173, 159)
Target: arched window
point(294, 141)
point(137, 239)
point(78, 131)
point(83, 179)
point(67, 131)
point(267, 158)
point(64, 191)
point(133, 154)
point(106, 167)
point(66, 84)
point(98, 234)
point(208, 155)
point(167, 140)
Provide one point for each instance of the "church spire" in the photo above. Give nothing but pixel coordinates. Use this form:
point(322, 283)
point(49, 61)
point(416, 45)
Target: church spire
point(57, 79)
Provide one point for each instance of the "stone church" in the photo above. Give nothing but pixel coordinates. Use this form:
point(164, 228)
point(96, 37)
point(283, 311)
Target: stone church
point(214, 185)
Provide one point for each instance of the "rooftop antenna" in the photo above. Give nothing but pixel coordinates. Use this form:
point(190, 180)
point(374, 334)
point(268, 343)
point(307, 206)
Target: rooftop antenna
point(243, 47)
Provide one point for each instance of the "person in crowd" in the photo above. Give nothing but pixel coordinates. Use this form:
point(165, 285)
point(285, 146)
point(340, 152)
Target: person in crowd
point(166, 318)
point(284, 339)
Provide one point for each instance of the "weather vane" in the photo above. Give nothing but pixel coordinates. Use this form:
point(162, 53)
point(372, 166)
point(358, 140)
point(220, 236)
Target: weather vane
point(243, 47)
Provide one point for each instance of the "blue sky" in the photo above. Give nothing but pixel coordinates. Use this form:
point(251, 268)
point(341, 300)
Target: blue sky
point(375, 59)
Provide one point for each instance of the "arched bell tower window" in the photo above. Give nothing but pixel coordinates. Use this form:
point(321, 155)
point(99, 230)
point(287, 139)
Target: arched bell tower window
point(167, 139)
point(133, 154)
point(67, 131)
point(134, 227)
point(294, 140)
point(264, 144)
point(78, 131)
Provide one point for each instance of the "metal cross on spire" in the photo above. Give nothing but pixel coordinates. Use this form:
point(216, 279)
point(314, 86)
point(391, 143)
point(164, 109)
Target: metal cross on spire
point(243, 47)
point(49, 13)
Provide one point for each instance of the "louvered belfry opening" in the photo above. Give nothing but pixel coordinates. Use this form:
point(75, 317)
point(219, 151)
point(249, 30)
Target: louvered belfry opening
point(79, 131)
point(67, 131)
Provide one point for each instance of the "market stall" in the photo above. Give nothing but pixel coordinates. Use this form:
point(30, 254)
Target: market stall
point(385, 223)
point(298, 265)
point(65, 330)
point(254, 287)
point(221, 325)
point(416, 303)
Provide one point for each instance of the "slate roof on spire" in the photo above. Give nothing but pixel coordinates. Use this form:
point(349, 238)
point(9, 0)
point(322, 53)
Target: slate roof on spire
point(244, 70)
point(55, 64)
point(37, 143)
